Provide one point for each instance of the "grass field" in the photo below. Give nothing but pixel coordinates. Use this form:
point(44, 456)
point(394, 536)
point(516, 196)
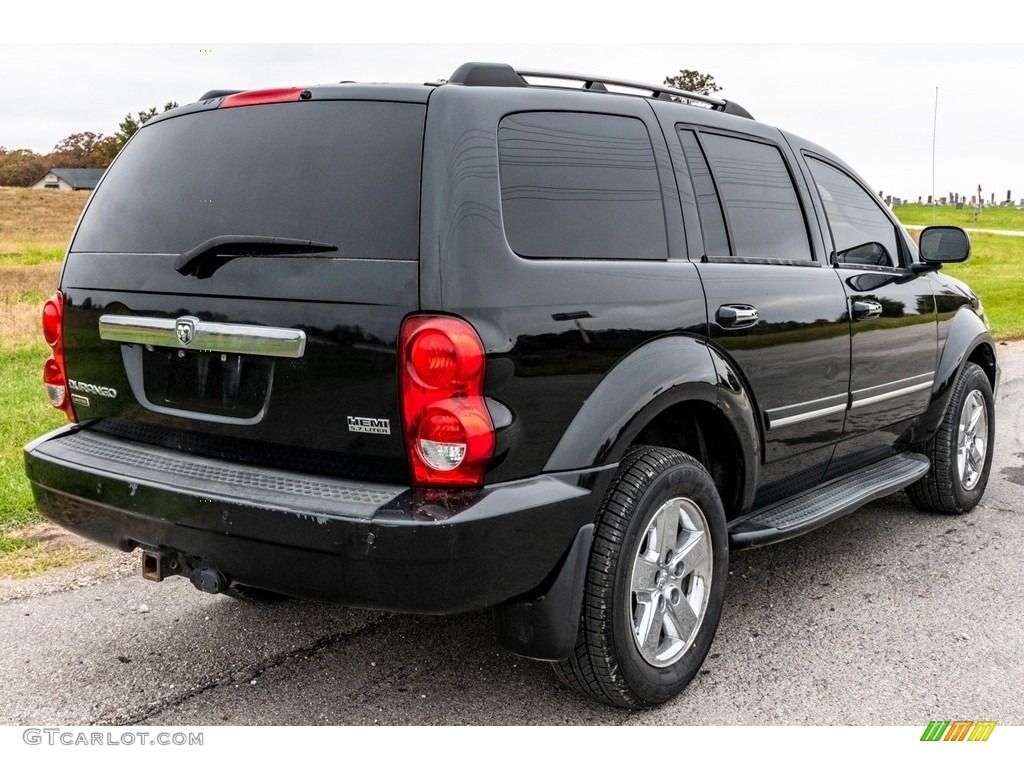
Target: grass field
point(996, 267)
point(988, 218)
point(34, 229)
point(996, 273)
point(35, 226)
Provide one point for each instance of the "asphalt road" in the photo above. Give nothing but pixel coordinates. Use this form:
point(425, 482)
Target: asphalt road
point(886, 617)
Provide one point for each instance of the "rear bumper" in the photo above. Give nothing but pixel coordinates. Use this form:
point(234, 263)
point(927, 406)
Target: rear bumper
point(359, 544)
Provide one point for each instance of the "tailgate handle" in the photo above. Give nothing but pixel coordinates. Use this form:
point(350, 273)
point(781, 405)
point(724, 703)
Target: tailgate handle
point(736, 316)
point(202, 335)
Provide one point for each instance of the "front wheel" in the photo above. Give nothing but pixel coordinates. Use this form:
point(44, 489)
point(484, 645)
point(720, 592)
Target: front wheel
point(655, 582)
point(961, 450)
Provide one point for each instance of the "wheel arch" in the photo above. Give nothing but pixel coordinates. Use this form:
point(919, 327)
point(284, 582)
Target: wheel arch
point(674, 392)
point(968, 341)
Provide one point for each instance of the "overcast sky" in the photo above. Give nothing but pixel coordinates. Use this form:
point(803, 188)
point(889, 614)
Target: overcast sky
point(872, 104)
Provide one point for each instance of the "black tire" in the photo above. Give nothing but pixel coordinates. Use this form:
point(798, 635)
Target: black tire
point(247, 594)
point(653, 487)
point(961, 461)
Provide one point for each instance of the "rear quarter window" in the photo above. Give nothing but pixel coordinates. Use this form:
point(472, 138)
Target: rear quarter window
point(341, 172)
point(580, 186)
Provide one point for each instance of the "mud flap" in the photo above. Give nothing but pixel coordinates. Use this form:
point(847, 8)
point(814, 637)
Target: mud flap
point(545, 628)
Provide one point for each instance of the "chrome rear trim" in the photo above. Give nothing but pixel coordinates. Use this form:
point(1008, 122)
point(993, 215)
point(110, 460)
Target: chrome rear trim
point(202, 335)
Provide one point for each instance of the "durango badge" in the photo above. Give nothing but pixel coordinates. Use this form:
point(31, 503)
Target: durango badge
point(371, 426)
point(95, 389)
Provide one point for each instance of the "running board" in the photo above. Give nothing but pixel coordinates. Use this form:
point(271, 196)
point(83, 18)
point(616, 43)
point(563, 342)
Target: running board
point(830, 501)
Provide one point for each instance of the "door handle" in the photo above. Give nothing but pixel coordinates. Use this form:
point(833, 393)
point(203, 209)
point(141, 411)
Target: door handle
point(866, 310)
point(736, 315)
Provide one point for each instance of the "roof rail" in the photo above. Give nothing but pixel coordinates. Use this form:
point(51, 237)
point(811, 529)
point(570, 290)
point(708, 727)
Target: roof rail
point(477, 73)
point(591, 82)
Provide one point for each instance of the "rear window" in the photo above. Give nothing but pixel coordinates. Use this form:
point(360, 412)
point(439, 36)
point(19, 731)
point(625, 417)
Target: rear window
point(340, 172)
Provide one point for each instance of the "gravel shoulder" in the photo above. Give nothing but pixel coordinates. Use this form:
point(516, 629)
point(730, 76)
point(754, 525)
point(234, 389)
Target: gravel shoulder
point(95, 564)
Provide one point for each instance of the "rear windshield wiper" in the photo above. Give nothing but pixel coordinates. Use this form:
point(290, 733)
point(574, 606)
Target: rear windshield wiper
point(232, 246)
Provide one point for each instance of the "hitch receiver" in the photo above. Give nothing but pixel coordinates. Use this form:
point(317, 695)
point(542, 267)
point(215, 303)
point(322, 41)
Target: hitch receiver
point(156, 566)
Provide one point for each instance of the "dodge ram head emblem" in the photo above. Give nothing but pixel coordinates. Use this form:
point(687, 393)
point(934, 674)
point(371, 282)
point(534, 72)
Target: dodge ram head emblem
point(185, 328)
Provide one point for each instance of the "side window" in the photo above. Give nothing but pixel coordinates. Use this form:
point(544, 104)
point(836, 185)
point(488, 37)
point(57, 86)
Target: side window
point(761, 205)
point(716, 239)
point(580, 186)
point(863, 234)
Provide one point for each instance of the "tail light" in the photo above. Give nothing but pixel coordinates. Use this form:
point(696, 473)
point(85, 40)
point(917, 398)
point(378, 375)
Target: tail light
point(265, 96)
point(448, 431)
point(55, 377)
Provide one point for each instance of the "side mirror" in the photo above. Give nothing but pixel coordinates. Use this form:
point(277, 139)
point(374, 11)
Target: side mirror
point(944, 245)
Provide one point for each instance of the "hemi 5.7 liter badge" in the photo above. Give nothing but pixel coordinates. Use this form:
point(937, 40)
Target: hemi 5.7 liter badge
point(372, 426)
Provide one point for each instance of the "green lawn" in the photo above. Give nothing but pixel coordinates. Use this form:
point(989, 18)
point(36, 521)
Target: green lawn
point(996, 268)
point(24, 414)
point(988, 218)
point(996, 273)
point(30, 255)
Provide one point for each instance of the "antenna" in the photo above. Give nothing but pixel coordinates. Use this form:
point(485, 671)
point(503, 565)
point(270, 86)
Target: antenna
point(935, 124)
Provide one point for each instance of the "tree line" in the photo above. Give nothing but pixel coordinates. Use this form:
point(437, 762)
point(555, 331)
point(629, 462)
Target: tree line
point(21, 167)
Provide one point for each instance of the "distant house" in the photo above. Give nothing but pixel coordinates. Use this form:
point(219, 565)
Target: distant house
point(68, 179)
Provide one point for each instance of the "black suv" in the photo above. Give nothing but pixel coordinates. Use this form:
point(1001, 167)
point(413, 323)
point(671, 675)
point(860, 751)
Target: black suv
point(512, 341)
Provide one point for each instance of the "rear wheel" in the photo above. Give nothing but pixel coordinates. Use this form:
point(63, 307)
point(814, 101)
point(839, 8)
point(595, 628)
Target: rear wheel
point(655, 582)
point(961, 450)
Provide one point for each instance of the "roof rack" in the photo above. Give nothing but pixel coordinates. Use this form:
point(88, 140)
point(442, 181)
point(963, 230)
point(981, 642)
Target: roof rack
point(477, 73)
